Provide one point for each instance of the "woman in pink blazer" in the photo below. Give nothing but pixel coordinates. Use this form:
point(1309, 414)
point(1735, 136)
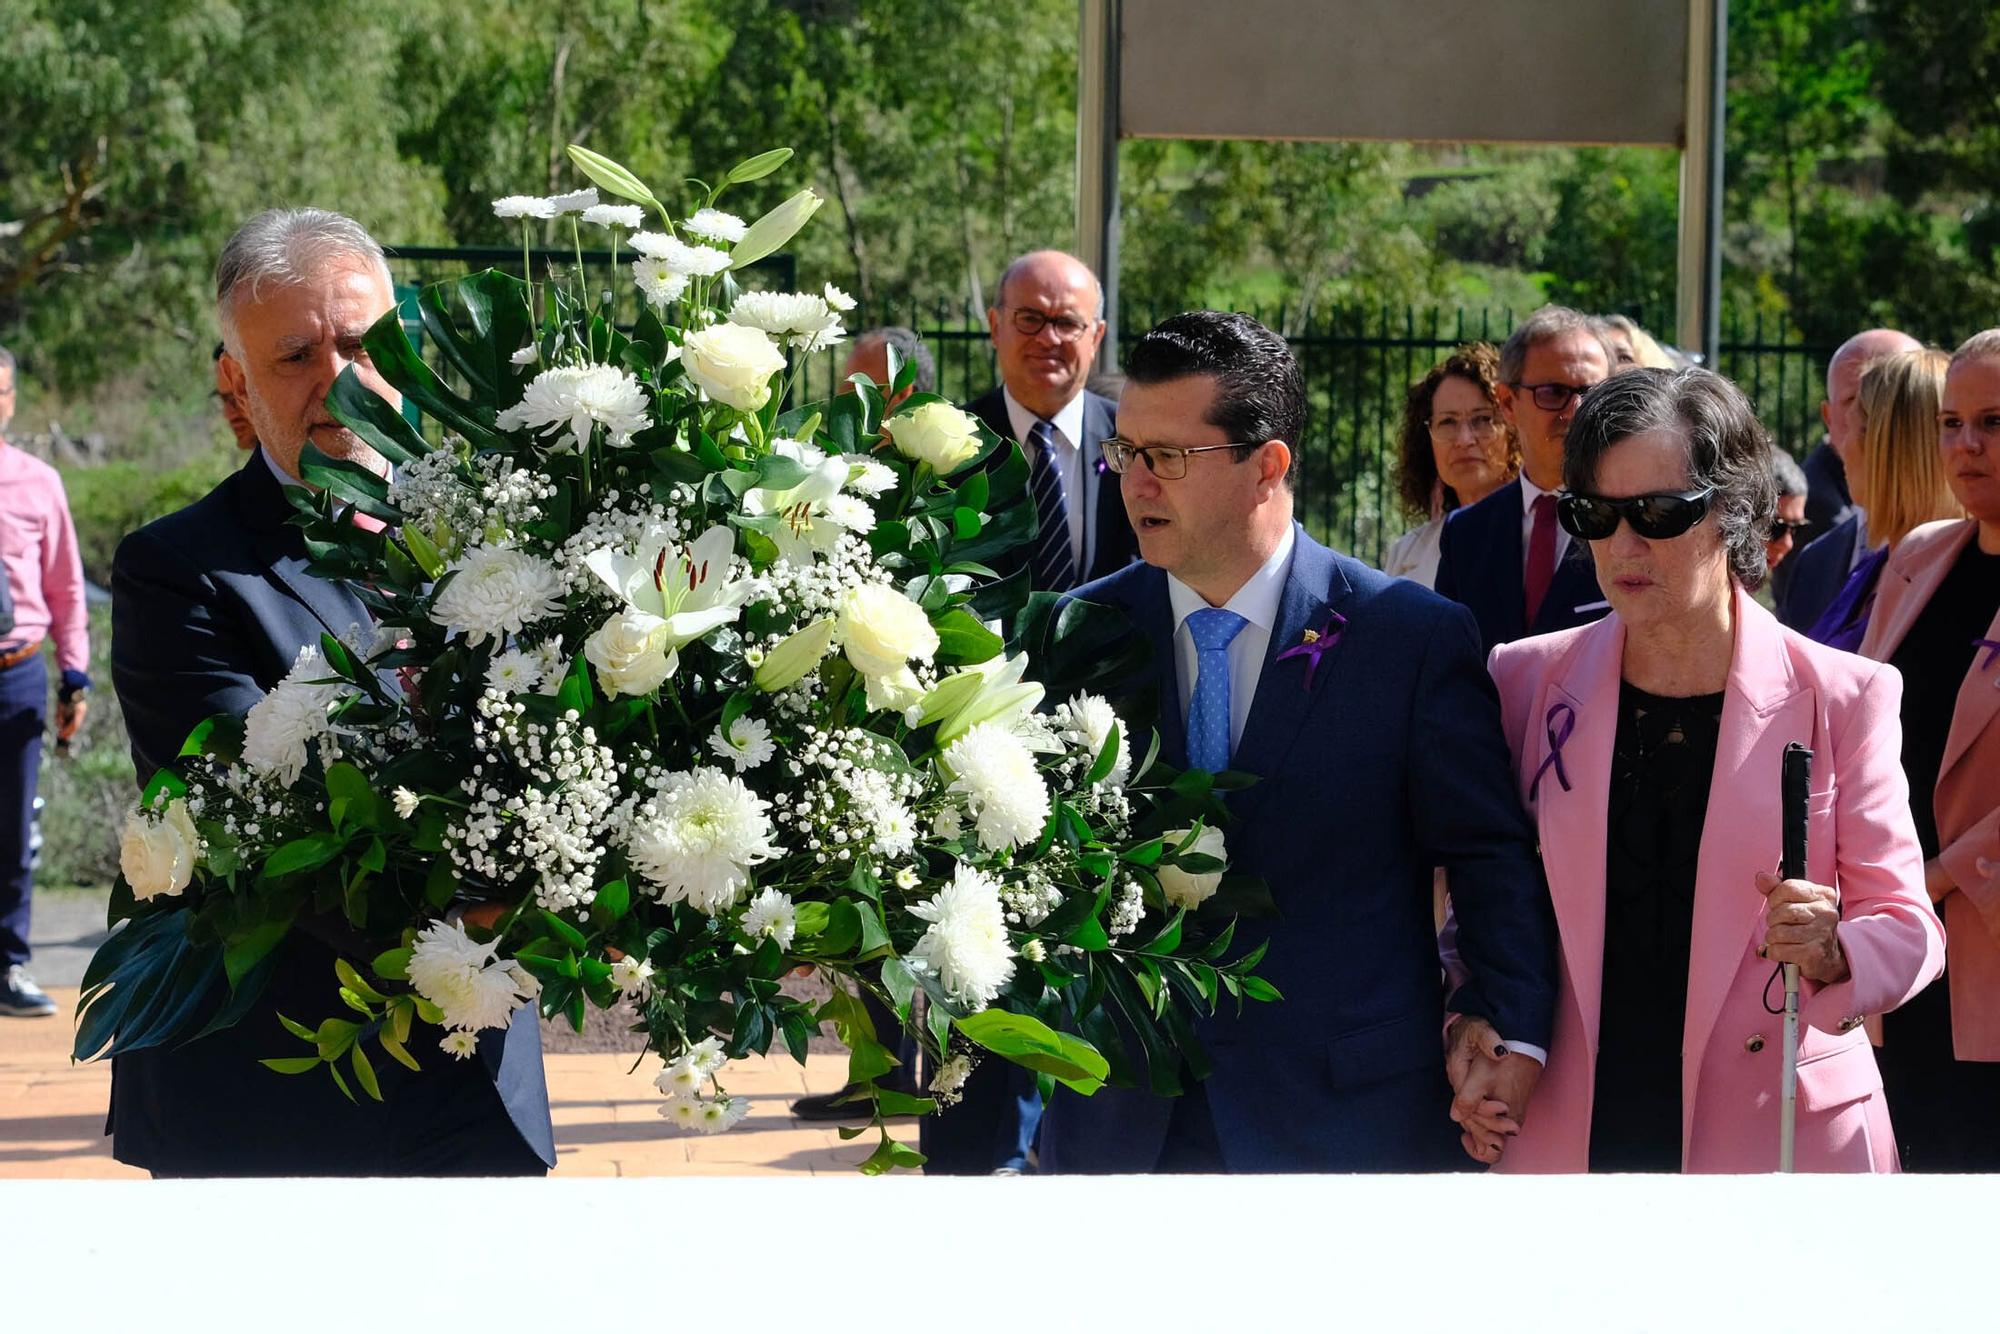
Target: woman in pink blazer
point(1649, 751)
point(1937, 620)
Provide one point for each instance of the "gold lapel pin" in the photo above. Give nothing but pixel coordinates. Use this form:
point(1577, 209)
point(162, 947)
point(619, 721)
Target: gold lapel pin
point(1312, 637)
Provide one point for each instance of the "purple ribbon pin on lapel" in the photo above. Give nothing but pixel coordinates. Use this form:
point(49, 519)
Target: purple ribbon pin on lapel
point(1314, 644)
point(1558, 735)
point(1992, 647)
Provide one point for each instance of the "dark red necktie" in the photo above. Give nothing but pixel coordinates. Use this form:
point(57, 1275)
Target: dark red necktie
point(1541, 555)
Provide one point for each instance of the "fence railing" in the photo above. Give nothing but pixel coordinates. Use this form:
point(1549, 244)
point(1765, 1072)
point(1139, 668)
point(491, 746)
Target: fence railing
point(1358, 366)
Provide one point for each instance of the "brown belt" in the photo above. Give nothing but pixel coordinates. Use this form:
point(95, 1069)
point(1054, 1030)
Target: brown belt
point(15, 657)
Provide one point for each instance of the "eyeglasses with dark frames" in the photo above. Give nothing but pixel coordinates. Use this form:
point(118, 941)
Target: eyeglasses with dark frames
point(1029, 323)
point(1553, 396)
point(1168, 462)
point(1658, 515)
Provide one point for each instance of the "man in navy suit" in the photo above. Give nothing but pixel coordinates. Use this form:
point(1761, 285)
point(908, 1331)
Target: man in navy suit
point(210, 606)
point(1047, 323)
point(1506, 557)
point(1817, 572)
point(1379, 756)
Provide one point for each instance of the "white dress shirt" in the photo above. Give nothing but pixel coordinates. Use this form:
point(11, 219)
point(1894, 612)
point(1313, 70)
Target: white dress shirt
point(1257, 603)
point(1529, 491)
point(1068, 424)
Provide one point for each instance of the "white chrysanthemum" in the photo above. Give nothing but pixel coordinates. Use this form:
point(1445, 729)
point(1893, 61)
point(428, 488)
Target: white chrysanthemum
point(693, 260)
point(966, 946)
point(907, 878)
point(495, 591)
point(948, 823)
point(698, 838)
point(628, 216)
point(459, 1043)
point(515, 672)
point(659, 282)
point(405, 802)
point(710, 1116)
point(838, 299)
point(771, 914)
point(1090, 719)
point(850, 512)
point(524, 206)
point(526, 356)
point(685, 1113)
point(576, 201)
point(894, 831)
point(708, 1055)
point(577, 397)
point(996, 771)
point(803, 320)
point(868, 477)
point(475, 988)
point(633, 976)
point(278, 726)
point(716, 225)
point(746, 745)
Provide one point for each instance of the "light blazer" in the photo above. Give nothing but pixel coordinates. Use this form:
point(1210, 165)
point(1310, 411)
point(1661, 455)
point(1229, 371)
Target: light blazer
point(1480, 562)
point(1967, 801)
point(1782, 688)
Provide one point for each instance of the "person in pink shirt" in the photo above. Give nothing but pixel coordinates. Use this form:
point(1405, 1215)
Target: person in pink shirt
point(44, 600)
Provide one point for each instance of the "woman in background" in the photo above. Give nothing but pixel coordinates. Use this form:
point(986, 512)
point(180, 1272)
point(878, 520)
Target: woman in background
point(1898, 480)
point(1937, 620)
point(1456, 449)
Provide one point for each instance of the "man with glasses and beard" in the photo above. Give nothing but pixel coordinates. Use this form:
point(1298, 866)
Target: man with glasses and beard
point(1506, 558)
point(1047, 322)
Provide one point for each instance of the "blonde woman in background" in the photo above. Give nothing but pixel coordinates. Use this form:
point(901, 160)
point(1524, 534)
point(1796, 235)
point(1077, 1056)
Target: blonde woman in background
point(1632, 345)
point(1898, 481)
point(1456, 449)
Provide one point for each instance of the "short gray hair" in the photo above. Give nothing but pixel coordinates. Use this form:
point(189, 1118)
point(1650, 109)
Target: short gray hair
point(1786, 474)
point(282, 247)
point(1544, 326)
point(909, 348)
point(1727, 450)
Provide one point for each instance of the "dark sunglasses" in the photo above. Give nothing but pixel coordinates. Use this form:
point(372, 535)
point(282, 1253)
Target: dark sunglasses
point(1658, 516)
point(1784, 528)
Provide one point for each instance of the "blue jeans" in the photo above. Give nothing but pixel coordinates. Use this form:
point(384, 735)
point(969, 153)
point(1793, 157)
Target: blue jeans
point(24, 691)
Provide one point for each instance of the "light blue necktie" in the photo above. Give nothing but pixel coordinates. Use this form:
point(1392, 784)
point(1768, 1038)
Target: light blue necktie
point(1211, 628)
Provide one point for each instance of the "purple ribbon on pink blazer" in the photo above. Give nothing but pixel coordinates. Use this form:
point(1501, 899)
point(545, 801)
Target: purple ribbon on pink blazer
point(1992, 647)
point(1558, 737)
point(1315, 644)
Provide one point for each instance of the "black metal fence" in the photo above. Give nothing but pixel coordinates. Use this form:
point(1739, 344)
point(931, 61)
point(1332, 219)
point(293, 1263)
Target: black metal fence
point(1358, 366)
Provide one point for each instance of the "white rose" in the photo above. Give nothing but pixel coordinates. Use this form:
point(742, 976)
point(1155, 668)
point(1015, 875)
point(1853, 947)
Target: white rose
point(732, 364)
point(631, 653)
point(937, 434)
point(159, 850)
point(881, 630)
point(1185, 889)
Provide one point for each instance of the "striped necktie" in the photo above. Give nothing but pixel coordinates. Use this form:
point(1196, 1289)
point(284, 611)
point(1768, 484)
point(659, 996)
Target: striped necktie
point(1050, 562)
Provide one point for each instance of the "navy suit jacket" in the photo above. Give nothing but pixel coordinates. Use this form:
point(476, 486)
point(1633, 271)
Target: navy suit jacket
point(1109, 543)
point(1392, 763)
point(1818, 572)
point(210, 607)
point(1480, 561)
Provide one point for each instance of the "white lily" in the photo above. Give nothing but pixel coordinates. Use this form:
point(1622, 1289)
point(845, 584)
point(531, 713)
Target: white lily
point(991, 691)
point(812, 515)
point(686, 586)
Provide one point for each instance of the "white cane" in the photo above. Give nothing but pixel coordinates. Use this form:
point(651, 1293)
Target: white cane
point(1796, 784)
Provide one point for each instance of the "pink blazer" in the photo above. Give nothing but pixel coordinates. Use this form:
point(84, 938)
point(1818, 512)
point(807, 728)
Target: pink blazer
point(1967, 800)
point(1782, 688)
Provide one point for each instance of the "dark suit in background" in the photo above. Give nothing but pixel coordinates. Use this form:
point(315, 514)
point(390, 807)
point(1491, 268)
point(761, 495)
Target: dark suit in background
point(1828, 500)
point(1819, 571)
point(1390, 763)
point(1481, 563)
point(994, 1124)
point(210, 607)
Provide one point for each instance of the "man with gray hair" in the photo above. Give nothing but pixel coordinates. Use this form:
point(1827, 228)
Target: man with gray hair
point(1505, 557)
point(868, 355)
point(1827, 555)
point(210, 607)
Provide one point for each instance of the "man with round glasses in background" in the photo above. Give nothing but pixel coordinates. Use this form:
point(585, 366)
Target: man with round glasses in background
point(1047, 322)
point(1506, 557)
